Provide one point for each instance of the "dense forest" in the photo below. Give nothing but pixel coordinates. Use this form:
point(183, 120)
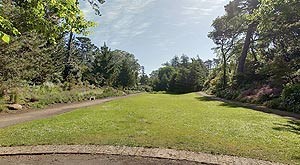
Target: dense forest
point(257, 43)
point(44, 50)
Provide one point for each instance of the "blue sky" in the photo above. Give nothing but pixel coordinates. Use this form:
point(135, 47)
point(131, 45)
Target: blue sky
point(156, 30)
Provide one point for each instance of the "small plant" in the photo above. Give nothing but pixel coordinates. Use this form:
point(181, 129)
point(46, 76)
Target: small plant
point(15, 97)
point(228, 94)
point(274, 103)
point(291, 97)
point(2, 106)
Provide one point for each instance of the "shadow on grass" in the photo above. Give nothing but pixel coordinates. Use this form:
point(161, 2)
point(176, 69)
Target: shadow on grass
point(291, 126)
point(296, 157)
point(178, 93)
point(168, 93)
point(236, 104)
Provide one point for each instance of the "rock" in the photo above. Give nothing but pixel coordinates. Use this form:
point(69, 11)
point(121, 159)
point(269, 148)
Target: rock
point(33, 99)
point(14, 107)
point(92, 98)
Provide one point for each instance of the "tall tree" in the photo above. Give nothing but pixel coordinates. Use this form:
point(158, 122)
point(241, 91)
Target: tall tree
point(144, 80)
point(225, 35)
point(104, 69)
point(246, 8)
point(128, 74)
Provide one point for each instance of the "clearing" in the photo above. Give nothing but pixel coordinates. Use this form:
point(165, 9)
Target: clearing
point(183, 122)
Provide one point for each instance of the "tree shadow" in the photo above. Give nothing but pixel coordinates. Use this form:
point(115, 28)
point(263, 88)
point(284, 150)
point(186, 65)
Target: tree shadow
point(205, 98)
point(178, 93)
point(291, 126)
point(236, 104)
point(168, 93)
point(296, 158)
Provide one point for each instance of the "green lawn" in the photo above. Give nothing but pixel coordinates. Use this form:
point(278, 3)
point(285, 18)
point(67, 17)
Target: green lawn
point(186, 122)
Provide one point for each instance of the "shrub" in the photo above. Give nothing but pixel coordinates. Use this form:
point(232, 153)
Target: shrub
point(109, 92)
point(158, 92)
point(229, 94)
point(144, 88)
point(291, 98)
point(49, 93)
point(2, 105)
point(274, 103)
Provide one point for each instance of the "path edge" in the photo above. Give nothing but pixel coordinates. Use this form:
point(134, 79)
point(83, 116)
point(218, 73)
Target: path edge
point(159, 153)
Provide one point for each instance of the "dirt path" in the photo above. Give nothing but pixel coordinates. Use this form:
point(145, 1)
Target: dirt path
point(290, 115)
point(12, 119)
point(80, 154)
point(88, 160)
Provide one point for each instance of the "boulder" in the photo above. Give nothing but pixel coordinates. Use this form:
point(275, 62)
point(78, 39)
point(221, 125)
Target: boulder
point(14, 107)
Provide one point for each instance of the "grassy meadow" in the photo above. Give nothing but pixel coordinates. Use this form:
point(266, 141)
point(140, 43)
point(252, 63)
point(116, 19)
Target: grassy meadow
point(184, 122)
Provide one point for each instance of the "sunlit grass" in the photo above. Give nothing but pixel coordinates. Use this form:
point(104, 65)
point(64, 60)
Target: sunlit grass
point(186, 122)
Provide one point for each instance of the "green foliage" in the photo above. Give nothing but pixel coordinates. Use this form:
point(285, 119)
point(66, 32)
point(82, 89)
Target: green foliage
point(109, 92)
point(274, 103)
point(228, 94)
point(2, 104)
point(180, 76)
point(128, 72)
point(6, 27)
point(103, 67)
point(291, 97)
point(214, 81)
point(163, 79)
point(145, 88)
point(49, 93)
point(50, 18)
point(38, 53)
point(258, 50)
point(27, 58)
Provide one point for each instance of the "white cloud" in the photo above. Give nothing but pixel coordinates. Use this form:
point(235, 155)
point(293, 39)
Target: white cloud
point(125, 20)
point(119, 19)
point(194, 9)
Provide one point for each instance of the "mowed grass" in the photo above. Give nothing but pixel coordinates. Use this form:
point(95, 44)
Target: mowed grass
point(185, 122)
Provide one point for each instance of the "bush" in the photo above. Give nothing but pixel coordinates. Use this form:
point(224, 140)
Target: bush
point(109, 92)
point(144, 88)
point(58, 95)
point(48, 93)
point(274, 103)
point(291, 98)
point(229, 94)
point(2, 105)
point(158, 92)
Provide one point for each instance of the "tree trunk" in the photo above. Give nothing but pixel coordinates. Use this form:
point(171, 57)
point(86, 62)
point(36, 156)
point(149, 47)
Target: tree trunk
point(242, 59)
point(68, 59)
point(224, 70)
point(68, 67)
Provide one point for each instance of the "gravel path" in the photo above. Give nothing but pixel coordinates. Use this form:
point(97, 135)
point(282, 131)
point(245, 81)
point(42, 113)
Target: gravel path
point(12, 119)
point(42, 153)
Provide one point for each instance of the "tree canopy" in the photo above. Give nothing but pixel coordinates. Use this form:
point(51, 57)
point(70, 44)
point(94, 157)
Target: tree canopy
point(257, 45)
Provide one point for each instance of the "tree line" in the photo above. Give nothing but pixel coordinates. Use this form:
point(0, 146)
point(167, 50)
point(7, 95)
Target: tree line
point(180, 75)
point(41, 43)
